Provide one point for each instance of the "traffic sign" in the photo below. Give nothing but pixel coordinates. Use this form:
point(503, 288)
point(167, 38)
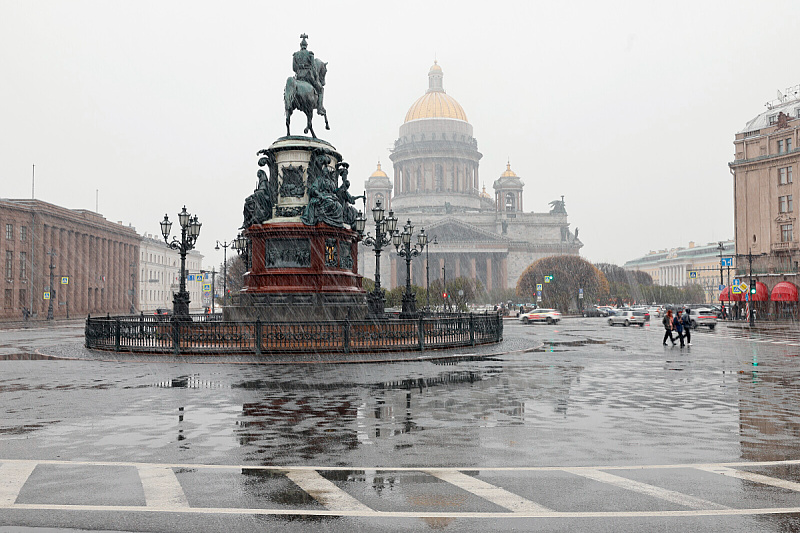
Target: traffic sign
point(580, 295)
point(190, 277)
point(538, 298)
point(726, 262)
point(692, 274)
point(736, 290)
point(47, 296)
point(538, 286)
point(65, 280)
point(721, 288)
point(207, 287)
point(580, 291)
point(548, 279)
point(743, 287)
point(736, 281)
point(538, 294)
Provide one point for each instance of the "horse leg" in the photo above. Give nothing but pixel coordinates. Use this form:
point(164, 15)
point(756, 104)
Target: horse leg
point(310, 128)
point(326, 121)
point(288, 118)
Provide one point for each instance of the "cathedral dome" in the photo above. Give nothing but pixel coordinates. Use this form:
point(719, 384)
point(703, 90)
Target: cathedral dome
point(435, 103)
point(378, 172)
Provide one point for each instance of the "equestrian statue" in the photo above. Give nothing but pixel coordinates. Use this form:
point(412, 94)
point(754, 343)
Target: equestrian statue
point(304, 91)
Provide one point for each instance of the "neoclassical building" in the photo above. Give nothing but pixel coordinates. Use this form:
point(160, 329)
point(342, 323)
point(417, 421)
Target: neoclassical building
point(436, 184)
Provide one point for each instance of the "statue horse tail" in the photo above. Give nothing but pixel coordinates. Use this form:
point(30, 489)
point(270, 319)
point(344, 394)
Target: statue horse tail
point(289, 94)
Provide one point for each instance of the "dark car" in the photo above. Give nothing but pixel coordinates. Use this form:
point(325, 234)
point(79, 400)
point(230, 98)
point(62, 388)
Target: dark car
point(594, 311)
point(162, 314)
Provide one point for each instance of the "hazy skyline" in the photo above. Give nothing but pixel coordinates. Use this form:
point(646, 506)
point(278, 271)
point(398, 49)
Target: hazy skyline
point(627, 109)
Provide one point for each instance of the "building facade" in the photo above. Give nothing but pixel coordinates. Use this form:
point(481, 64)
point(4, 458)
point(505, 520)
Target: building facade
point(436, 185)
point(159, 276)
point(694, 264)
point(766, 154)
point(92, 260)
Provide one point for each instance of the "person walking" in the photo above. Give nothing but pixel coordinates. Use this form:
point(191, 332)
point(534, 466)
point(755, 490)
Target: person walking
point(678, 327)
point(667, 321)
point(686, 322)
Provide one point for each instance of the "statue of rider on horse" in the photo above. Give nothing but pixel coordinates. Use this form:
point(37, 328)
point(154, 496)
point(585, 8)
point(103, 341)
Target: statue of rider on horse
point(305, 90)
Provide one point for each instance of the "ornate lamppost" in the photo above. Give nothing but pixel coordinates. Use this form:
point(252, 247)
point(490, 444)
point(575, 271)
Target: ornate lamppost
point(402, 244)
point(224, 269)
point(384, 229)
point(242, 246)
point(428, 272)
point(190, 229)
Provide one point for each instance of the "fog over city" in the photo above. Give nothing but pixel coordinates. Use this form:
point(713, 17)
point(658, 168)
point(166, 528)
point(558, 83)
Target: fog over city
point(628, 109)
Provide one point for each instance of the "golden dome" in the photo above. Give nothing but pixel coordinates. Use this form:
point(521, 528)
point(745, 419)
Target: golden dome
point(485, 194)
point(379, 173)
point(435, 103)
point(508, 173)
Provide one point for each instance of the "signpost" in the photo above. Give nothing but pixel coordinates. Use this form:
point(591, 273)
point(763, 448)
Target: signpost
point(692, 274)
point(46, 295)
point(726, 262)
point(65, 280)
point(539, 287)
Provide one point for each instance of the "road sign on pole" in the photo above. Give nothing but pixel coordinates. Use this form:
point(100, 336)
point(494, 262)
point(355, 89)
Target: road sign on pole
point(726, 262)
point(538, 286)
point(692, 274)
point(721, 288)
point(47, 296)
point(737, 281)
point(65, 280)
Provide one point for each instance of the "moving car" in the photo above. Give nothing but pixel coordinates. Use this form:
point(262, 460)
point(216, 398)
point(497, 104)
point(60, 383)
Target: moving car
point(626, 318)
point(703, 317)
point(593, 310)
point(551, 316)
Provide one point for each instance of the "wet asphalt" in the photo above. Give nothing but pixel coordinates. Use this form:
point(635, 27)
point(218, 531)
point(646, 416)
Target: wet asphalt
point(580, 420)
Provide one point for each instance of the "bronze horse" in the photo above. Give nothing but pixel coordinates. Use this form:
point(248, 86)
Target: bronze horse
point(301, 95)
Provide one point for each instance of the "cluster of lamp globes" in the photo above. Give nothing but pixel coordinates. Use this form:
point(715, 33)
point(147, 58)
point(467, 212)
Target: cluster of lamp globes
point(189, 224)
point(388, 225)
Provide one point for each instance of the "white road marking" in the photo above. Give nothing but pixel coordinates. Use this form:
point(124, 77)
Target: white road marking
point(644, 488)
point(12, 477)
point(487, 491)
point(750, 476)
point(161, 487)
point(326, 492)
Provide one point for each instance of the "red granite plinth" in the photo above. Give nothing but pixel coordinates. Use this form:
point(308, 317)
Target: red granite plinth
point(300, 274)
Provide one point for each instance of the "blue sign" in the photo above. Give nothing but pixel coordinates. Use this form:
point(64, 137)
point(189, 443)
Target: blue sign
point(726, 262)
point(721, 288)
point(737, 281)
point(539, 294)
point(580, 291)
point(190, 277)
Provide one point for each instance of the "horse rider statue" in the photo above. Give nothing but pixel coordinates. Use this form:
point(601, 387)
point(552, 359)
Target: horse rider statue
point(305, 89)
point(304, 70)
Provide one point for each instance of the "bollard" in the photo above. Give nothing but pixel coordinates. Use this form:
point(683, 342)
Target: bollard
point(176, 336)
point(116, 334)
point(472, 329)
point(421, 333)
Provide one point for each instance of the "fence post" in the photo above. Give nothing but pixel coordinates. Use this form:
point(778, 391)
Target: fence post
point(258, 336)
point(421, 333)
point(499, 329)
point(346, 332)
point(472, 329)
point(176, 337)
point(116, 334)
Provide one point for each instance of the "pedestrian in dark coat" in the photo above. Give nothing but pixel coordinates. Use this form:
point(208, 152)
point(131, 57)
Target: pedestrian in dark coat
point(667, 321)
point(678, 327)
point(686, 322)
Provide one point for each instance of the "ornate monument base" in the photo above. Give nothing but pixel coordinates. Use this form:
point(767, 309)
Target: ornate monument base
point(301, 273)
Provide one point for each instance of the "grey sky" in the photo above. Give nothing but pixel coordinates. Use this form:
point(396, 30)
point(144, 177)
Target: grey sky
point(629, 109)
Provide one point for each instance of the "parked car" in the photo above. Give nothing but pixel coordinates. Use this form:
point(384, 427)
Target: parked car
point(626, 318)
point(593, 310)
point(643, 313)
point(551, 316)
point(163, 314)
point(703, 317)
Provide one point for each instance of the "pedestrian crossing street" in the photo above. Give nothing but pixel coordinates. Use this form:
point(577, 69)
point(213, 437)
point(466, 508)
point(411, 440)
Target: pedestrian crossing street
point(678, 490)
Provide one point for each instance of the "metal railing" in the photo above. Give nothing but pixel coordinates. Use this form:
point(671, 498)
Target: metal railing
point(161, 335)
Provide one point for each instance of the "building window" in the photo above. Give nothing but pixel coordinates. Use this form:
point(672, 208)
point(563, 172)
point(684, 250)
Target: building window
point(23, 266)
point(9, 231)
point(23, 298)
point(784, 175)
point(786, 233)
point(773, 119)
point(9, 298)
point(23, 233)
point(789, 145)
point(9, 264)
point(785, 204)
point(780, 147)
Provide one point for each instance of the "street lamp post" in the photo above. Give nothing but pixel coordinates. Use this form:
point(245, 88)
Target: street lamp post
point(190, 230)
point(224, 269)
point(402, 244)
point(385, 227)
point(446, 295)
point(133, 287)
point(242, 245)
point(721, 248)
point(428, 273)
point(752, 317)
point(213, 288)
point(51, 253)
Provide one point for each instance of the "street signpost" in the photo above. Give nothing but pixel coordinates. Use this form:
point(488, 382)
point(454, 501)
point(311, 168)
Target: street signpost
point(46, 295)
point(721, 288)
point(580, 293)
point(692, 274)
point(538, 286)
point(743, 287)
point(726, 262)
point(65, 280)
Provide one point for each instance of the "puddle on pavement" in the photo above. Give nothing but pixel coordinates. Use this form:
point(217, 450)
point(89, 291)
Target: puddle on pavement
point(30, 357)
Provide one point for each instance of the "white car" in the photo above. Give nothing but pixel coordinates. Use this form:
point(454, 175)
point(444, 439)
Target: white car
point(703, 317)
point(551, 316)
point(626, 318)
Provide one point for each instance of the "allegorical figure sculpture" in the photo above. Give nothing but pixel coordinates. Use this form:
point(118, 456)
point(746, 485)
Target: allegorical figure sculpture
point(347, 200)
point(257, 208)
point(304, 91)
point(323, 203)
point(558, 207)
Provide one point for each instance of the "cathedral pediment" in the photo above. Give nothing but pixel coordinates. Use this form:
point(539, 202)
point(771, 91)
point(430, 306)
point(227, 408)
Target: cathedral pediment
point(454, 230)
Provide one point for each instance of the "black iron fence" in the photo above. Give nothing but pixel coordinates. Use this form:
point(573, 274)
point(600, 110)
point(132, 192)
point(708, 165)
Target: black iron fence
point(154, 334)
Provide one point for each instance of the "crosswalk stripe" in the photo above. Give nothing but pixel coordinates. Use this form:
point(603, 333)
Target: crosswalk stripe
point(161, 487)
point(487, 491)
point(750, 476)
point(325, 492)
point(12, 477)
point(644, 488)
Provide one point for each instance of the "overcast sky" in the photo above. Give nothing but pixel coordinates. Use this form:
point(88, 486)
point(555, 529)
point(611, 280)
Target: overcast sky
point(628, 109)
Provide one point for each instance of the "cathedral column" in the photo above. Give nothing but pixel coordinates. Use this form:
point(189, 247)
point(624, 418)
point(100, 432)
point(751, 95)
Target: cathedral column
point(473, 271)
point(489, 272)
point(504, 272)
point(458, 266)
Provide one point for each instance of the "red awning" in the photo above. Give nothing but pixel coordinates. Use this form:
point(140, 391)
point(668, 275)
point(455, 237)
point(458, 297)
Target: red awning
point(762, 293)
point(784, 291)
point(725, 296)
